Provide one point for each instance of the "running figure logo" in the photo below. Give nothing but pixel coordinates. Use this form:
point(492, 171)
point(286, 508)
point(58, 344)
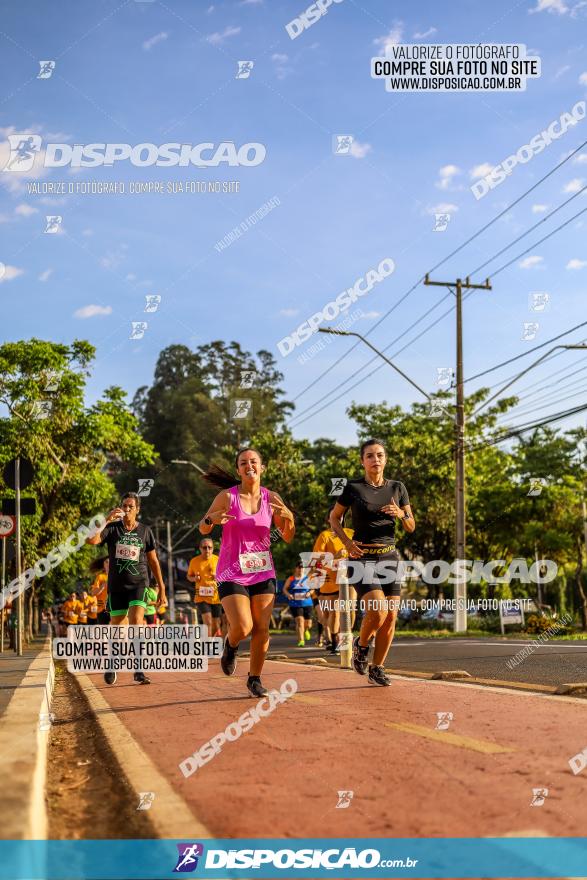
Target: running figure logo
point(146, 799)
point(138, 329)
point(441, 222)
point(244, 69)
point(444, 719)
point(23, 149)
point(444, 376)
point(530, 330)
point(437, 410)
point(341, 144)
point(152, 302)
point(53, 223)
point(47, 68)
point(538, 302)
point(51, 381)
point(145, 487)
point(537, 484)
point(41, 409)
point(247, 378)
point(344, 799)
point(240, 409)
point(187, 860)
point(338, 484)
point(538, 796)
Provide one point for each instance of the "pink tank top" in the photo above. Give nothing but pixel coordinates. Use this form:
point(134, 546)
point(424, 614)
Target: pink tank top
point(245, 554)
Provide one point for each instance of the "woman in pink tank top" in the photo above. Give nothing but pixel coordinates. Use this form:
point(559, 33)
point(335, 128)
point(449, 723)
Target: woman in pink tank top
point(245, 571)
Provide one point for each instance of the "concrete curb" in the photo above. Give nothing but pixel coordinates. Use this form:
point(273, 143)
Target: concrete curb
point(169, 815)
point(24, 737)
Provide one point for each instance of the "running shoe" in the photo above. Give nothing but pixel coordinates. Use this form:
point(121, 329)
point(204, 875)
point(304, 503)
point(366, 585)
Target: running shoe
point(255, 687)
point(228, 659)
point(307, 635)
point(360, 657)
point(378, 675)
point(301, 644)
point(141, 678)
point(109, 677)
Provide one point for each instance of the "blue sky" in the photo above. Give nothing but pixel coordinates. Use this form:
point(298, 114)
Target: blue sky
point(160, 72)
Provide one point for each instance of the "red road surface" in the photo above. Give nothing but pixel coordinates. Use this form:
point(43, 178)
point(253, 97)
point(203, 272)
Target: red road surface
point(338, 733)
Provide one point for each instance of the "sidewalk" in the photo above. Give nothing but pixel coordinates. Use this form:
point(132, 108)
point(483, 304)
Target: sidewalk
point(337, 733)
point(13, 669)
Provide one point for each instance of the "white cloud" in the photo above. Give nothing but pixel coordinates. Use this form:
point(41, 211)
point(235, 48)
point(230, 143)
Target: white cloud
point(25, 210)
point(289, 313)
point(217, 39)
point(539, 209)
point(392, 38)
point(251, 2)
point(279, 57)
point(583, 79)
point(556, 6)
point(210, 9)
point(87, 232)
point(44, 276)
point(580, 158)
point(442, 208)
point(131, 276)
point(481, 170)
point(358, 150)
point(92, 311)
point(112, 259)
point(446, 174)
point(9, 273)
point(576, 264)
point(530, 262)
point(4, 218)
point(428, 33)
point(573, 186)
point(562, 70)
point(152, 41)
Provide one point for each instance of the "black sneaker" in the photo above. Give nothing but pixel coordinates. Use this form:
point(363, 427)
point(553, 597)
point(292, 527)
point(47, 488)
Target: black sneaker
point(255, 687)
point(378, 675)
point(109, 677)
point(142, 678)
point(360, 657)
point(228, 659)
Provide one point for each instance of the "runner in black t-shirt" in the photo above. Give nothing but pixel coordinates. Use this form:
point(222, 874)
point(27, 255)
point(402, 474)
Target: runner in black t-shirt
point(131, 551)
point(376, 505)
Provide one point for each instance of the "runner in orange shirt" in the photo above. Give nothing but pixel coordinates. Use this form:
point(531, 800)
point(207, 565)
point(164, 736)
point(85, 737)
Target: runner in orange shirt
point(202, 573)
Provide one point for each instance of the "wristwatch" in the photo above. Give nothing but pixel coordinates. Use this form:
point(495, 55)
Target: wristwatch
point(208, 521)
point(406, 515)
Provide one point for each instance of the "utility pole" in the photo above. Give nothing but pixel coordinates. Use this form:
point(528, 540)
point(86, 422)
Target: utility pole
point(18, 635)
point(460, 536)
point(170, 584)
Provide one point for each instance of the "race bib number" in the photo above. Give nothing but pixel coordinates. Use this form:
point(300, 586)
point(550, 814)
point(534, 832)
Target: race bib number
point(253, 562)
point(206, 591)
point(128, 551)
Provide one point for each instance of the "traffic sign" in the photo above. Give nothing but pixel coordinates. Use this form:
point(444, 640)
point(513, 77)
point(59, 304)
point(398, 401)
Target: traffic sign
point(28, 506)
point(27, 473)
point(7, 525)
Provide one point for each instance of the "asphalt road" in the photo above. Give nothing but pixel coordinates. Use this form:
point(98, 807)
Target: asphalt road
point(552, 663)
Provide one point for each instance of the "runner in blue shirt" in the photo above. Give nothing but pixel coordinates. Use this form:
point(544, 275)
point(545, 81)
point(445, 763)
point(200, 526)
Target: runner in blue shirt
point(295, 590)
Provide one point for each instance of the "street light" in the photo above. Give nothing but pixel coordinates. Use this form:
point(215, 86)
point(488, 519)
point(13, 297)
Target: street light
point(184, 461)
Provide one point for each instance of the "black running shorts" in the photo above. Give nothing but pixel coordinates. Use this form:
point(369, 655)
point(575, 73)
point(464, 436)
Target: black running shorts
point(120, 599)
point(231, 588)
point(206, 608)
point(305, 612)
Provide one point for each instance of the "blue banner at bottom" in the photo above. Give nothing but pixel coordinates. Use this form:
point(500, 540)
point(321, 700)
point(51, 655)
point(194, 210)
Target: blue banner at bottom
point(271, 858)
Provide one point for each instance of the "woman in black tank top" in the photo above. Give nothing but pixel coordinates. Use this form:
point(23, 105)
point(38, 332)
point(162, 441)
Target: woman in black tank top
point(376, 505)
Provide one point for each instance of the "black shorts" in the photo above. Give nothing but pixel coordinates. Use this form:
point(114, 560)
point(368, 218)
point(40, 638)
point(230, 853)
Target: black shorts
point(103, 617)
point(150, 619)
point(231, 588)
point(370, 580)
point(207, 608)
point(304, 611)
point(120, 599)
